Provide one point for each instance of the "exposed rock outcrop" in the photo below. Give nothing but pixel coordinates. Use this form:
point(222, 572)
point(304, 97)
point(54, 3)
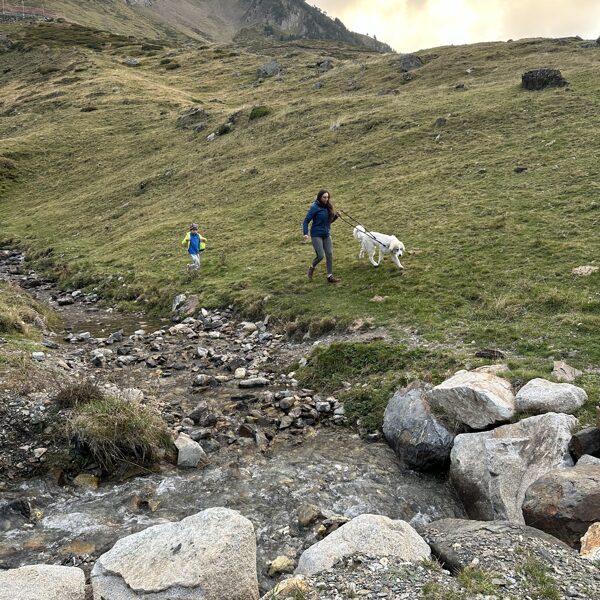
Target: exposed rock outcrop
point(492, 470)
point(564, 503)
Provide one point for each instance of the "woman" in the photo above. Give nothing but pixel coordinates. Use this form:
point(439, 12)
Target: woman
point(322, 215)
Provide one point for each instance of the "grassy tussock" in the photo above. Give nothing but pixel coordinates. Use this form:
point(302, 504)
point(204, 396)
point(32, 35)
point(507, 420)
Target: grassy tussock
point(78, 394)
point(20, 313)
point(116, 432)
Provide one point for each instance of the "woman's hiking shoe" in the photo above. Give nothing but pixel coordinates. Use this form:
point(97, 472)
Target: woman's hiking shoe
point(311, 272)
point(332, 279)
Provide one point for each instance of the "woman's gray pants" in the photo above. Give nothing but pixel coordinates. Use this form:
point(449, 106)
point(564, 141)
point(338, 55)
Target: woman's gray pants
point(324, 248)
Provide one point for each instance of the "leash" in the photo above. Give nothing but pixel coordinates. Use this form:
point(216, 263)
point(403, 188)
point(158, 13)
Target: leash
point(353, 225)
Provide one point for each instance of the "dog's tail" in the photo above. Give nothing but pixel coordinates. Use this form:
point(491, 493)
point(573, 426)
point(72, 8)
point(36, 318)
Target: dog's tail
point(359, 232)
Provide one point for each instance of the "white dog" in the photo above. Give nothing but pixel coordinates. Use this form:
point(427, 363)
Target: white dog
point(386, 244)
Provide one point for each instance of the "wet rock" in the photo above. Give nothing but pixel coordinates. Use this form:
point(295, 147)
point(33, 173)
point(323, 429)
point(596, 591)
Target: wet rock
point(210, 555)
point(564, 503)
point(115, 338)
point(203, 380)
point(474, 399)
point(86, 481)
point(189, 453)
point(42, 582)
point(14, 514)
point(415, 434)
point(254, 382)
point(540, 396)
point(564, 372)
point(492, 470)
point(374, 535)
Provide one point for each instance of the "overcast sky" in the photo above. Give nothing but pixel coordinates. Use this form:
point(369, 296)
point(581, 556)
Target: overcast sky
point(409, 25)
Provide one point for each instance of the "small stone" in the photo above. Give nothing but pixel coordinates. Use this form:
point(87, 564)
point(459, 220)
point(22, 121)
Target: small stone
point(240, 373)
point(282, 564)
point(39, 356)
point(86, 481)
point(39, 452)
point(308, 514)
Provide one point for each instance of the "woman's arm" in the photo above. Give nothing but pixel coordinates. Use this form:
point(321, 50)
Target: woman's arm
point(309, 216)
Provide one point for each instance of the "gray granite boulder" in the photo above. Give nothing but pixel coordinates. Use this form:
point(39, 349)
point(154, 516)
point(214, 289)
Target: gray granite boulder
point(42, 582)
point(564, 503)
point(210, 556)
point(409, 62)
point(372, 535)
point(492, 470)
point(474, 399)
point(419, 439)
point(540, 396)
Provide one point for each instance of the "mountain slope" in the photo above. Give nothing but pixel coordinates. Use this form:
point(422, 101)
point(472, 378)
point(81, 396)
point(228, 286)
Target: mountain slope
point(101, 182)
point(208, 20)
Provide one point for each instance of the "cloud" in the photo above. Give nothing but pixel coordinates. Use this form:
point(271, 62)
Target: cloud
point(414, 24)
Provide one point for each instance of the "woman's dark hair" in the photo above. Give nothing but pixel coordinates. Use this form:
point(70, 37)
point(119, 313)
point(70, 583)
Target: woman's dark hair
point(328, 206)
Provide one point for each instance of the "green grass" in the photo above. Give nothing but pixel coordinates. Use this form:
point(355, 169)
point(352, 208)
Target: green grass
point(21, 314)
point(535, 575)
point(375, 370)
point(117, 432)
point(489, 252)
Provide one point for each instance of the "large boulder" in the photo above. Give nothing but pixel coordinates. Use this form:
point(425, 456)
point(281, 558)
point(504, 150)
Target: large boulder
point(540, 396)
point(564, 503)
point(492, 470)
point(210, 555)
point(418, 437)
point(474, 399)
point(590, 543)
point(371, 535)
point(42, 582)
point(538, 79)
point(269, 69)
point(586, 441)
point(409, 62)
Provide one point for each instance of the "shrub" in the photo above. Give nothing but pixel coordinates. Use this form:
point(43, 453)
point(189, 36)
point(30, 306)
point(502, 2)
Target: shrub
point(259, 111)
point(172, 66)
point(78, 394)
point(224, 129)
point(116, 432)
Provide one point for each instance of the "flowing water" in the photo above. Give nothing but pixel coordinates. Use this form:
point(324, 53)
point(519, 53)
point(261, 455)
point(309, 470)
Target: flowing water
point(330, 467)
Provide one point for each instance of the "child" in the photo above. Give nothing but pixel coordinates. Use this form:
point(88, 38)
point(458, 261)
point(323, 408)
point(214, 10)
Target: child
point(195, 244)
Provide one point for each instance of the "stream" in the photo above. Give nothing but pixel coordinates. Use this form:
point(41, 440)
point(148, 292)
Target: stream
point(325, 464)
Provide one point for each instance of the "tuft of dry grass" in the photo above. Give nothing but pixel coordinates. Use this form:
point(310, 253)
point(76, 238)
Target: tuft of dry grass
point(117, 432)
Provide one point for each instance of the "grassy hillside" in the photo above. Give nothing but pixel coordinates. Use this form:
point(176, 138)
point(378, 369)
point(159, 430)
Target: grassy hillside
point(107, 194)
